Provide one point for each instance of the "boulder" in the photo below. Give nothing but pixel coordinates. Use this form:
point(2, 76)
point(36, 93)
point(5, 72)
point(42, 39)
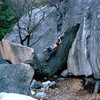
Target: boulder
point(84, 56)
point(14, 96)
point(45, 34)
point(15, 53)
point(91, 85)
point(16, 78)
point(58, 62)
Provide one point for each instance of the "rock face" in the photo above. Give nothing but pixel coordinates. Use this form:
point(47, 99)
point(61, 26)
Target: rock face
point(46, 33)
point(15, 78)
point(84, 56)
point(58, 61)
point(15, 53)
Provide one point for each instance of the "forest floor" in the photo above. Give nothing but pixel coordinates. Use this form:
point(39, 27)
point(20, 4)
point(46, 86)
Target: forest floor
point(70, 89)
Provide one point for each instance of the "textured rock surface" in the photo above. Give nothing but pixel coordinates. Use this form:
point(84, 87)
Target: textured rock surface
point(14, 96)
point(35, 84)
point(84, 56)
point(65, 73)
point(15, 53)
point(2, 61)
point(47, 30)
point(58, 62)
point(41, 94)
point(15, 78)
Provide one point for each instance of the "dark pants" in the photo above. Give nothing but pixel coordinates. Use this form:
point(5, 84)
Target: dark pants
point(51, 51)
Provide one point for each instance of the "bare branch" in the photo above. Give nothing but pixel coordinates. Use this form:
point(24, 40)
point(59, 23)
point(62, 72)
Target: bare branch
point(32, 23)
point(19, 32)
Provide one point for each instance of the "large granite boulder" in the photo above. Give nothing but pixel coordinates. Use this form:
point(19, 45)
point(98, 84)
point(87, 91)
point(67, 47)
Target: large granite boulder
point(16, 78)
point(15, 53)
point(58, 62)
point(84, 56)
point(45, 34)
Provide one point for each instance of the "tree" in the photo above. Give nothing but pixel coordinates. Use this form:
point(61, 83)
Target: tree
point(31, 25)
point(5, 19)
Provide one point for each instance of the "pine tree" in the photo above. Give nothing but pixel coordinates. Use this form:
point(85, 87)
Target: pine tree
point(5, 20)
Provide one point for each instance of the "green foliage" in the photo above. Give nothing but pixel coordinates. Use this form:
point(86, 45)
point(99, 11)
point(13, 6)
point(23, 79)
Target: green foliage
point(5, 20)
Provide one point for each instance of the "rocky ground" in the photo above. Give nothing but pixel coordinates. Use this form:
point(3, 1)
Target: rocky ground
point(69, 89)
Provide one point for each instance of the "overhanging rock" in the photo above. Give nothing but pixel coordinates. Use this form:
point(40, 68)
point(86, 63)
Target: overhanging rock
point(58, 62)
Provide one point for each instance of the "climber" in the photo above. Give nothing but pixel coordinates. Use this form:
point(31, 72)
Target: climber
point(52, 50)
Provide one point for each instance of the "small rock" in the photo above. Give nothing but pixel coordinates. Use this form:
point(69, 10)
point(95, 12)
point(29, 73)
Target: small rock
point(35, 85)
point(32, 92)
point(55, 76)
point(41, 94)
point(47, 85)
point(65, 73)
point(52, 84)
point(60, 79)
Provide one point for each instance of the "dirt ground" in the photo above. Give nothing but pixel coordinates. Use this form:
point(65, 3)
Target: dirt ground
point(70, 89)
